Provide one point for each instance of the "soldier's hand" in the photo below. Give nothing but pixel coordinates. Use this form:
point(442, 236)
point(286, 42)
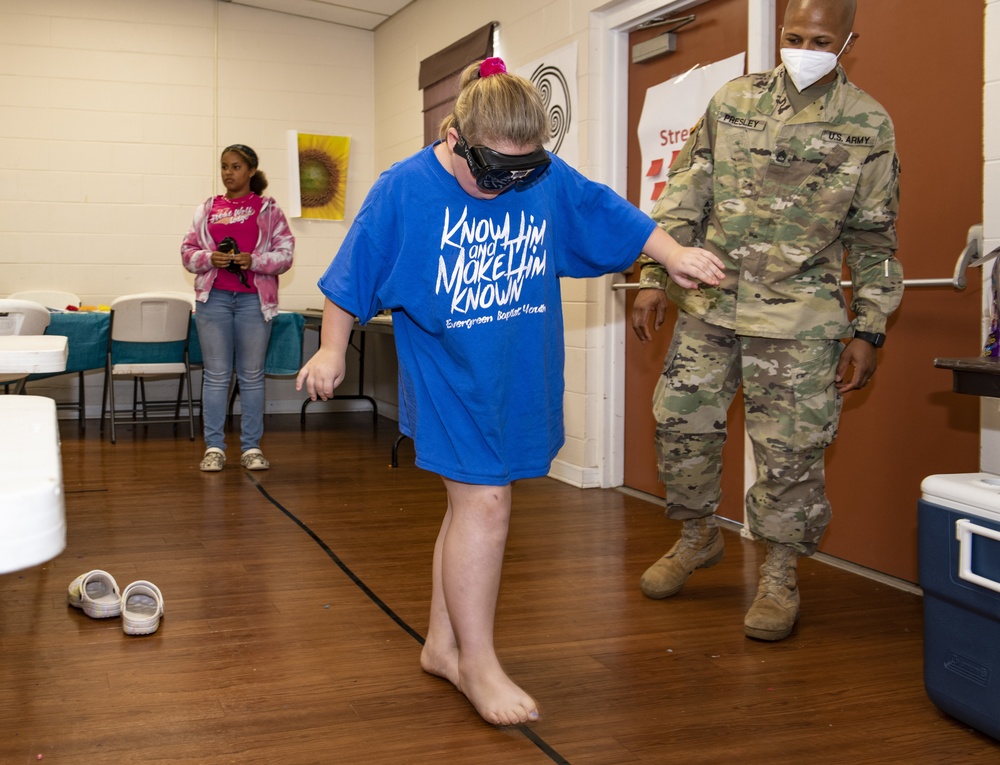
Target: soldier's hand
point(861, 356)
point(649, 300)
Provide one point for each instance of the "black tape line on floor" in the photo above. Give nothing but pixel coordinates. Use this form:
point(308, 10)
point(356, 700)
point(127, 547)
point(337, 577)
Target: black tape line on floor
point(340, 564)
point(529, 734)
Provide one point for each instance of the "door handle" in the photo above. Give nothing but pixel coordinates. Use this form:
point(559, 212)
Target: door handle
point(971, 256)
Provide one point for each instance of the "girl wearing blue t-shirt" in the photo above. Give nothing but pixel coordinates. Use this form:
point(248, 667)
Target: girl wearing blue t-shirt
point(465, 242)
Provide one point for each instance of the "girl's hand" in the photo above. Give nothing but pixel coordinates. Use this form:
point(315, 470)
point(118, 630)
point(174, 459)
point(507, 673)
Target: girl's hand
point(687, 266)
point(243, 260)
point(221, 259)
point(321, 374)
point(691, 266)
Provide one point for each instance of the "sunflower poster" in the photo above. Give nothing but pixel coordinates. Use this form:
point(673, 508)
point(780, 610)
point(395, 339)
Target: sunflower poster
point(318, 172)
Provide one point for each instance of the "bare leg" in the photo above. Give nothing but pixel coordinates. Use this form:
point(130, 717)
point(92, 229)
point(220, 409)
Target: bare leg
point(440, 653)
point(468, 558)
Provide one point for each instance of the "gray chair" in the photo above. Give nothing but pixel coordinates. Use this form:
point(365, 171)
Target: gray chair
point(149, 337)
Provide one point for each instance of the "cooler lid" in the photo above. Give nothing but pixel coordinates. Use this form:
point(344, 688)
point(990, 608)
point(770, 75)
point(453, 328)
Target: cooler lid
point(972, 493)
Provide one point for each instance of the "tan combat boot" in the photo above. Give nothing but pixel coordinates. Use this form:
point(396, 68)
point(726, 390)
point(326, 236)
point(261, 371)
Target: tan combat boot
point(700, 546)
point(776, 608)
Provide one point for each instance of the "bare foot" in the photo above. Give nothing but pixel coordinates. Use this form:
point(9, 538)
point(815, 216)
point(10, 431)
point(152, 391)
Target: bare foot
point(494, 695)
point(441, 661)
point(497, 699)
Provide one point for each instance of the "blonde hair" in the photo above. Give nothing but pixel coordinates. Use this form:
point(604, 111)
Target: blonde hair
point(497, 108)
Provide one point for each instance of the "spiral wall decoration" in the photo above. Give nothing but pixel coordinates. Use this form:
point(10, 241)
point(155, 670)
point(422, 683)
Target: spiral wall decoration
point(552, 85)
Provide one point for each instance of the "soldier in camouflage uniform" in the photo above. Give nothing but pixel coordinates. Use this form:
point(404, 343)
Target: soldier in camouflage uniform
point(777, 182)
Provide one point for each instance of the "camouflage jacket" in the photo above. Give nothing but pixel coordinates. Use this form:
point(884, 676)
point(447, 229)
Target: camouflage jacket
point(778, 196)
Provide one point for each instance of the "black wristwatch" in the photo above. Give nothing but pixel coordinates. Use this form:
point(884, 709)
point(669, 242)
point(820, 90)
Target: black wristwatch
point(875, 338)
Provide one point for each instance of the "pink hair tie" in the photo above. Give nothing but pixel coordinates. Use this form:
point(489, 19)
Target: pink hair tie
point(493, 65)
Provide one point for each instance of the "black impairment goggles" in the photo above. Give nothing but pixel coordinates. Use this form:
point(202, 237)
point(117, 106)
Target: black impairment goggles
point(495, 172)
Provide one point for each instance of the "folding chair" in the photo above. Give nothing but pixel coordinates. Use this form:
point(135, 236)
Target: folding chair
point(148, 337)
point(55, 300)
point(21, 317)
point(59, 300)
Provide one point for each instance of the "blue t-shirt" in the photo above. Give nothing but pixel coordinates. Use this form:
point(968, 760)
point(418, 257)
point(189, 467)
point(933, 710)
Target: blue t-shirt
point(477, 313)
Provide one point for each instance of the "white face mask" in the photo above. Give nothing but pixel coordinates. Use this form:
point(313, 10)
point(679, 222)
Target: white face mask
point(807, 67)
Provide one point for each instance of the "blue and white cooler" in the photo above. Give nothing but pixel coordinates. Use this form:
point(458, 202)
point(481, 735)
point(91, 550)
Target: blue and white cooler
point(959, 547)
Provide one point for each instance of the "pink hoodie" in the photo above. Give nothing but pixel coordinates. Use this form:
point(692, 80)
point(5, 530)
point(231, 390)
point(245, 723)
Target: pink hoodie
point(271, 256)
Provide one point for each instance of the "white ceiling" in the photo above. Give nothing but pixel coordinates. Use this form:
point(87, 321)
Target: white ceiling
point(363, 14)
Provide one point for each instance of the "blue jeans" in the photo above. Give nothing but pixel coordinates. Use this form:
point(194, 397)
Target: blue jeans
point(232, 327)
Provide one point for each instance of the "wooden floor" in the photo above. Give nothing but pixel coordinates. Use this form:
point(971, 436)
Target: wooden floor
point(296, 600)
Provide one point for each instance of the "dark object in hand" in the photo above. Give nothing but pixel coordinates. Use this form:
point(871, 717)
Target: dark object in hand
point(229, 246)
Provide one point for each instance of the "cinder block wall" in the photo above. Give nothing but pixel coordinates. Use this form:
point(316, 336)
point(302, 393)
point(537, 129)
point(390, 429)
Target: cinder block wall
point(112, 116)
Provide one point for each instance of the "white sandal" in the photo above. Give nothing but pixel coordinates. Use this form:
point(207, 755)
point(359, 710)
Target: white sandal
point(100, 597)
point(142, 607)
point(73, 591)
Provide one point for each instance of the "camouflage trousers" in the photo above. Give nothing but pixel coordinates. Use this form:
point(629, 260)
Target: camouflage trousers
point(792, 411)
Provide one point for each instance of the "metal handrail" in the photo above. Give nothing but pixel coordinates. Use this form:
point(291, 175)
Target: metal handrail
point(970, 257)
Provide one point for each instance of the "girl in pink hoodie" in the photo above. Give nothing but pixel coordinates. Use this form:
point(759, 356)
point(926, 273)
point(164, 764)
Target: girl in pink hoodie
point(237, 245)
